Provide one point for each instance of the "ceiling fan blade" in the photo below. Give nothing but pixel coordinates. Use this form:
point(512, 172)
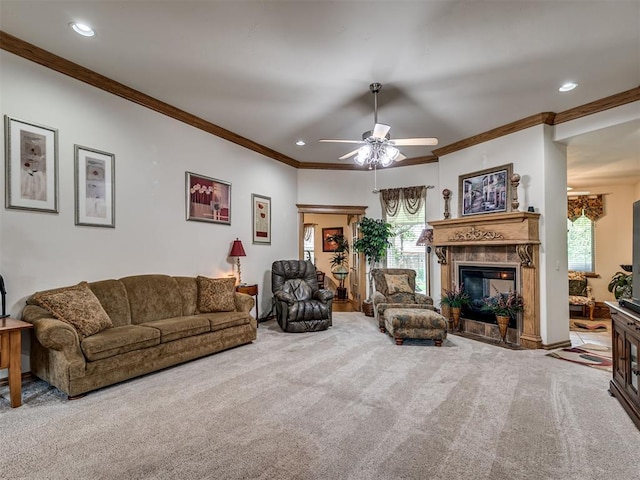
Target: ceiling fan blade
point(380, 130)
point(347, 155)
point(341, 141)
point(409, 142)
point(400, 157)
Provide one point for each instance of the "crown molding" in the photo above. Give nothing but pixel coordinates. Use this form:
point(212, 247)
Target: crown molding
point(54, 62)
point(606, 103)
point(538, 119)
point(59, 64)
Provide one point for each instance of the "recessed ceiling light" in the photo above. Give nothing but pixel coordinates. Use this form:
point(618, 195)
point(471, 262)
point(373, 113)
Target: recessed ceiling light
point(82, 29)
point(569, 188)
point(567, 87)
point(301, 143)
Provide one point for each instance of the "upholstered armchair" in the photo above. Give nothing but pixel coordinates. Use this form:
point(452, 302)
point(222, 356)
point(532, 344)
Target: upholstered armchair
point(396, 288)
point(580, 292)
point(300, 305)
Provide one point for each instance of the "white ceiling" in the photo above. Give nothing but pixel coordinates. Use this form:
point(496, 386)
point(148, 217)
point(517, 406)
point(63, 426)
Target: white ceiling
point(275, 72)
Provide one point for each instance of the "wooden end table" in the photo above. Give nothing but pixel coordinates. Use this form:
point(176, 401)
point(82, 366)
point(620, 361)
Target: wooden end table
point(253, 291)
point(10, 355)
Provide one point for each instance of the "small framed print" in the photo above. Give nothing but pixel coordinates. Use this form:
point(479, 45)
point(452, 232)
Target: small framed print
point(208, 199)
point(95, 187)
point(328, 243)
point(31, 162)
point(261, 213)
point(485, 191)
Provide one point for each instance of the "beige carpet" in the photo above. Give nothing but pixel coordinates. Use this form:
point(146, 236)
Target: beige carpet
point(346, 403)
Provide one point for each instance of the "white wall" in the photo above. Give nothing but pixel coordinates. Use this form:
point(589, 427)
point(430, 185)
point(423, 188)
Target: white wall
point(152, 153)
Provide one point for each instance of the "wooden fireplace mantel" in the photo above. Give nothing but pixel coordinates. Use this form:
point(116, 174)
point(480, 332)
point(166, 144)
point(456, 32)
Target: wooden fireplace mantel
point(491, 229)
point(457, 239)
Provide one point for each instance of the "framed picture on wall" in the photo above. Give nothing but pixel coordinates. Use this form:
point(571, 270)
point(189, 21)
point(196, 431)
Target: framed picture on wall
point(485, 191)
point(31, 162)
point(328, 245)
point(208, 199)
point(261, 213)
point(95, 187)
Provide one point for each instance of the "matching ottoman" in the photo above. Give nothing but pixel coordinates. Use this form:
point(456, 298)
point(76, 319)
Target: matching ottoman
point(419, 323)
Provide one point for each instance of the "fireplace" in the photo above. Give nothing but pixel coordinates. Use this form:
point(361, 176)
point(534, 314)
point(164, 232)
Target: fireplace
point(504, 245)
point(483, 281)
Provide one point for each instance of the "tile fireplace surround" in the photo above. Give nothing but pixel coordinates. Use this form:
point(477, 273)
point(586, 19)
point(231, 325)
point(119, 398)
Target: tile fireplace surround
point(497, 238)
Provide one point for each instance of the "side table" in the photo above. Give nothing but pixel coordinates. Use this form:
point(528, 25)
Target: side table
point(253, 291)
point(10, 355)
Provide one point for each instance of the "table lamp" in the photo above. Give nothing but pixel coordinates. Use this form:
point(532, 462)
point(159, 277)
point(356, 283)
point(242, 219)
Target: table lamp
point(237, 250)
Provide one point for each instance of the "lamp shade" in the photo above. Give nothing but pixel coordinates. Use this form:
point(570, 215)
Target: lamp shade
point(237, 250)
point(426, 237)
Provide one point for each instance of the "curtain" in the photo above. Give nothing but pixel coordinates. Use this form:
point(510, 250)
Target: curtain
point(591, 205)
point(410, 198)
point(309, 228)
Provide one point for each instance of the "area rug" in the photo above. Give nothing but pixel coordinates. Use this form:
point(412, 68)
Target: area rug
point(589, 325)
point(589, 354)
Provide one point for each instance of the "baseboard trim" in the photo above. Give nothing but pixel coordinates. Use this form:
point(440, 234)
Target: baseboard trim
point(553, 346)
point(25, 376)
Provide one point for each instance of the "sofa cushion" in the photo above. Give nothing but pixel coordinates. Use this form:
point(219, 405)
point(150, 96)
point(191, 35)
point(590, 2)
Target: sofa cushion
point(222, 320)
point(152, 297)
point(117, 340)
point(216, 294)
point(78, 306)
point(180, 327)
point(114, 300)
point(188, 288)
point(398, 284)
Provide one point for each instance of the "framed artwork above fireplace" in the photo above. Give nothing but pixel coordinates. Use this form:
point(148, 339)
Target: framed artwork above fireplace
point(485, 191)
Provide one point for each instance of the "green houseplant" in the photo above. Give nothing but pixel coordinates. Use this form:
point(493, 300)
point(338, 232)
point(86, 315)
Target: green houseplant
point(620, 285)
point(504, 306)
point(455, 299)
point(339, 262)
point(373, 243)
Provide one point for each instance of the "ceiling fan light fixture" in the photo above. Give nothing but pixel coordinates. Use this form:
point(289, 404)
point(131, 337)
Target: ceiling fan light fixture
point(391, 152)
point(364, 154)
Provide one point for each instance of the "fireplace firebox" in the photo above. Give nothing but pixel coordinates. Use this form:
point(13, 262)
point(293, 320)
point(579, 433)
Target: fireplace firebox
point(483, 281)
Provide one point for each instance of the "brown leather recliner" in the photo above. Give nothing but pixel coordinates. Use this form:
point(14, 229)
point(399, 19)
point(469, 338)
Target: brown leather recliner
point(300, 305)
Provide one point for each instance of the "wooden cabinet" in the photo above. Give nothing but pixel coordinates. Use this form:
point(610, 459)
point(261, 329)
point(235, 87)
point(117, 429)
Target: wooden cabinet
point(625, 384)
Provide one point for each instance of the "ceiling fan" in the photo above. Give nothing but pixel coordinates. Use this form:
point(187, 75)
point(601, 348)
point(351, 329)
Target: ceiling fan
point(377, 146)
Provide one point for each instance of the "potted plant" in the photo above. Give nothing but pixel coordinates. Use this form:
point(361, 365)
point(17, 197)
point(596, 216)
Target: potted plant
point(621, 283)
point(373, 243)
point(339, 263)
point(455, 299)
point(504, 306)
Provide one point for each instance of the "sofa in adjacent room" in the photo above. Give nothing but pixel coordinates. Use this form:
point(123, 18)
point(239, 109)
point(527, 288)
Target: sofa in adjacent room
point(91, 335)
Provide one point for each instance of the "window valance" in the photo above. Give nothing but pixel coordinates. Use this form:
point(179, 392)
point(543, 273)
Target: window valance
point(591, 205)
point(410, 197)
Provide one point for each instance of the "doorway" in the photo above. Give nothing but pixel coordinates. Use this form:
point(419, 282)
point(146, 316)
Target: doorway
point(329, 218)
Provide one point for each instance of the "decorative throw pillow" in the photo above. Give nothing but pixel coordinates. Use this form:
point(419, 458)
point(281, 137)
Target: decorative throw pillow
point(78, 306)
point(578, 287)
point(216, 294)
point(398, 284)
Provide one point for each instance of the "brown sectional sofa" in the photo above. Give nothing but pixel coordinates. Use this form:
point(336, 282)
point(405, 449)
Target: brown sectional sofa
point(156, 324)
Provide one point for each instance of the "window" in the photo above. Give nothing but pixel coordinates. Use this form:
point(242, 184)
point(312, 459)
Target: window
point(309, 242)
point(404, 252)
point(580, 244)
